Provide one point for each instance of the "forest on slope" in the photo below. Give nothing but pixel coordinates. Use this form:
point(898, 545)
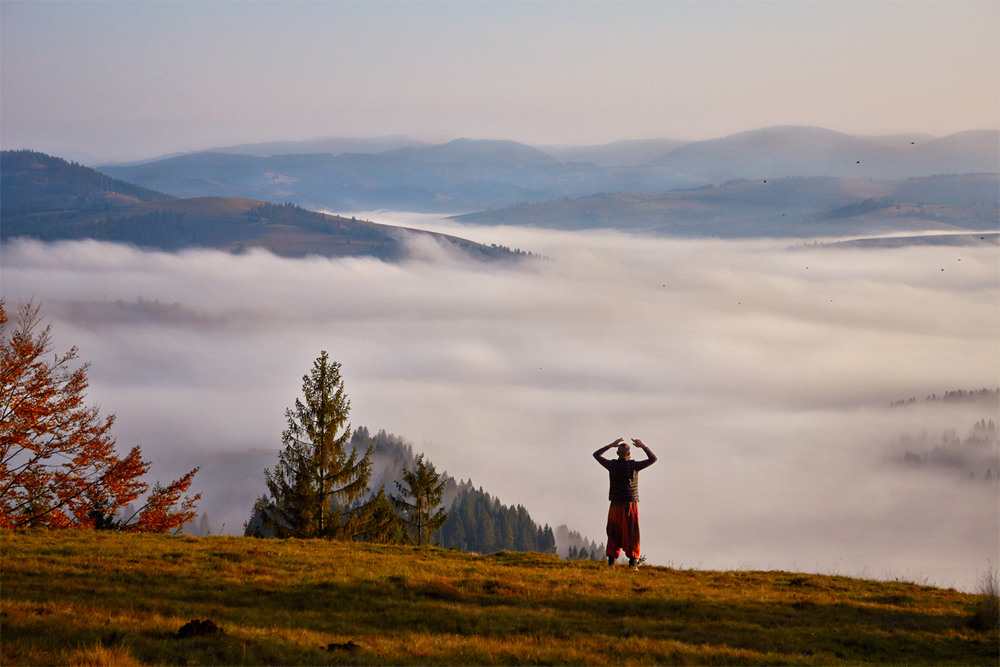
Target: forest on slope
point(478, 522)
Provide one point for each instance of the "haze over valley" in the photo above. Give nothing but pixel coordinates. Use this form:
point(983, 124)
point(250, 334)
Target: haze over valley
point(761, 376)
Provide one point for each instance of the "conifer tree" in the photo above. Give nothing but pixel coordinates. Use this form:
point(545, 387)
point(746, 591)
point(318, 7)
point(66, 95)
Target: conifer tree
point(379, 522)
point(317, 482)
point(421, 500)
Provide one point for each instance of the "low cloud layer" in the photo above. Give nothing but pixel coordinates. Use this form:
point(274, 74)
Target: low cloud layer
point(760, 375)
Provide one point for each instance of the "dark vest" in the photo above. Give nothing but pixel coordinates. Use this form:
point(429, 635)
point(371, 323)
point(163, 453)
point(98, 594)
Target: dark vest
point(624, 477)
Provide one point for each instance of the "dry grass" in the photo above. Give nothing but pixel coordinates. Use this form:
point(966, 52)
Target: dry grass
point(987, 612)
point(100, 598)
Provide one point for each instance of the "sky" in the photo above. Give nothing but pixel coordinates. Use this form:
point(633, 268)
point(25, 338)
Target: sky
point(102, 81)
point(761, 376)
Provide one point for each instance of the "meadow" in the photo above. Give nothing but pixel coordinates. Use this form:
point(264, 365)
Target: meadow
point(101, 598)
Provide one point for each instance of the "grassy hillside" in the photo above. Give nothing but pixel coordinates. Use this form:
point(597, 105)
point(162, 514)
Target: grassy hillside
point(105, 598)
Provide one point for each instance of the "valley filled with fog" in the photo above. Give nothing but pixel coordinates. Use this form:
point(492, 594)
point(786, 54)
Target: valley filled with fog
point(761, 373)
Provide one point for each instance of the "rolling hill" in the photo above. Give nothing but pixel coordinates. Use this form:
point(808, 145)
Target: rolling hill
point(49, 199)
point(468, 175)
point(780, 152)
point(32, 182)
point(626, 153)
point(788, 207)
point(331, 145)
point(459, 176)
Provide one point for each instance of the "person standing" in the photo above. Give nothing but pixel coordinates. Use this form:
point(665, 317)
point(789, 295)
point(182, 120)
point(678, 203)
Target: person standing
point(623, 492)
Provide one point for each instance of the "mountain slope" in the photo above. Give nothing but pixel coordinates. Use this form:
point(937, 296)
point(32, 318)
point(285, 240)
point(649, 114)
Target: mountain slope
point(780, 152)
point(331, 145)
point(50, 199)
point(965, 152)
point(789, 207)
point(31, 181)
point(459, 176)
point(626, 153)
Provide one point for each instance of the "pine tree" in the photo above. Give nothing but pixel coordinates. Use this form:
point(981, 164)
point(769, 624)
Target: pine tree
point(316, 480)
point(379, 522)
point(420, 503)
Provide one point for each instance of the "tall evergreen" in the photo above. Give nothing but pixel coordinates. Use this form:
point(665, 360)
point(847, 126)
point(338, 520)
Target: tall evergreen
point(315, 486)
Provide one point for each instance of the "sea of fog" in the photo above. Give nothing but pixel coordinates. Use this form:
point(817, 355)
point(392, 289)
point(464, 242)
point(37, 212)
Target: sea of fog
point(760, 374)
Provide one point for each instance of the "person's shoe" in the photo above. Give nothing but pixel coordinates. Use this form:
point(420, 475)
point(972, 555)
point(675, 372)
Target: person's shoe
point(611, 561)
point(633, 563)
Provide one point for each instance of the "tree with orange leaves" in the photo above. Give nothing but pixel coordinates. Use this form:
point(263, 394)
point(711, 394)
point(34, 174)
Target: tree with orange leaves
point(58, 464)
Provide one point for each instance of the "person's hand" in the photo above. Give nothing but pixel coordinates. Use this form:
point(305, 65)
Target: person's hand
point(638, 443)
point(616, 443)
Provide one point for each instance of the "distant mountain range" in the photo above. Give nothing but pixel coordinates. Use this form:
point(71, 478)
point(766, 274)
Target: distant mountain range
point(50, 199)
point(800, 182)
point(802, 207)
point(780, 152)
point(472, 175)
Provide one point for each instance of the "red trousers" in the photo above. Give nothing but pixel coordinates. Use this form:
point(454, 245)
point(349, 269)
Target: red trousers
point(623, 530)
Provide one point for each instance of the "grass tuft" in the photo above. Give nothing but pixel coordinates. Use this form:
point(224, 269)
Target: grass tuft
point(99, 655)
point(986, 615)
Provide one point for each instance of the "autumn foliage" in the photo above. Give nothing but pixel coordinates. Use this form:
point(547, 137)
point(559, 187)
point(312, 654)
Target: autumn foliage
point(59, 467)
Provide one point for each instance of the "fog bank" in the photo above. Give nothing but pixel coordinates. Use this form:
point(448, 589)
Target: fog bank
point(761, 377)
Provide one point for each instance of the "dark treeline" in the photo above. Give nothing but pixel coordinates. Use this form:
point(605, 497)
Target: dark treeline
point(480, 523)
point(976, 455)
point(477, 521)
point(164, 230)
point(859, 208)
point(292, 214)
point(574, 546)
point(958, 396)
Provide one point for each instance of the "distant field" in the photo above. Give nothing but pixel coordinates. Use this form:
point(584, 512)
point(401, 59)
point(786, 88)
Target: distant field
point(107, 598)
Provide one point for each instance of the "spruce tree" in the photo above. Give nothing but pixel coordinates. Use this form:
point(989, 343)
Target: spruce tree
point(317, 480)
point(420, 501)
point(379, 522)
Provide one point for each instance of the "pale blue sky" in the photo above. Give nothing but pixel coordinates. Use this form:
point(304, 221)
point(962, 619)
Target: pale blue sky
point(124, 80)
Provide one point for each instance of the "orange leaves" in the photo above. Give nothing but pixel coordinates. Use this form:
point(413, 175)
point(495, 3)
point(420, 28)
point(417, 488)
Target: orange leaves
point(58, 464)
point(158, 515)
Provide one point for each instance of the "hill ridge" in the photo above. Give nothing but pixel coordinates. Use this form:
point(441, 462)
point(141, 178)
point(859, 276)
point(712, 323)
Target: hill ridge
point(50, 199)
point(795, 207)
point(33, 182)
point(466, 175)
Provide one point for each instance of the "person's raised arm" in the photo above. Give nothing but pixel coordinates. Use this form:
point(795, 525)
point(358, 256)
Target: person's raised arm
point(650, 456)
point(597, 454)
